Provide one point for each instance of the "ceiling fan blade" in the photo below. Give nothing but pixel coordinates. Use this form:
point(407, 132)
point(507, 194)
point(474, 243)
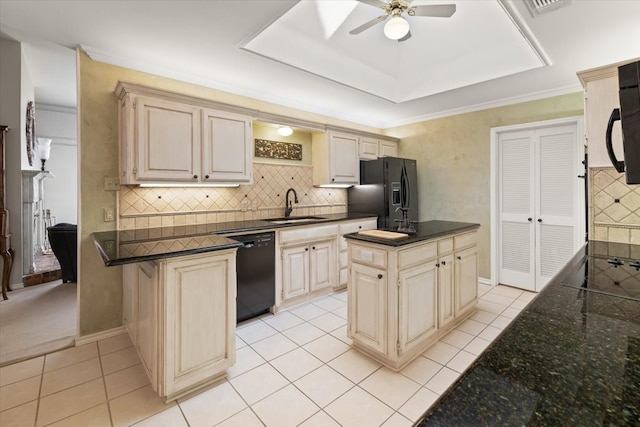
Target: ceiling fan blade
point(368, 25)
point(374, 3)
point(405, 38)
point(435, 10)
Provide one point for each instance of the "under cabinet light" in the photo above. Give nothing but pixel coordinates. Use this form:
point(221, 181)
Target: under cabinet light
point(336, 185)
point(153, 185)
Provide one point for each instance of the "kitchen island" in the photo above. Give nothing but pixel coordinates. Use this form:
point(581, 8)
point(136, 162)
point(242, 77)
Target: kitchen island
point(407, 291)
point(571, 358)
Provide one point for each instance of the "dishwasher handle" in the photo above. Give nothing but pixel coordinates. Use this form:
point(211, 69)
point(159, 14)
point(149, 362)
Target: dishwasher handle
point(249, 245)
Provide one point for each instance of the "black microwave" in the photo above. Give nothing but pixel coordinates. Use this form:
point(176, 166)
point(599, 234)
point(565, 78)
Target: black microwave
point(629, 116)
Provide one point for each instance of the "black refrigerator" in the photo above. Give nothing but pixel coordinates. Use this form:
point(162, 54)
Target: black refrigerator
point(387, 186)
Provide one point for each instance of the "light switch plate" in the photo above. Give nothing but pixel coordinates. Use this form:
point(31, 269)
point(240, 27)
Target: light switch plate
point(109, 215)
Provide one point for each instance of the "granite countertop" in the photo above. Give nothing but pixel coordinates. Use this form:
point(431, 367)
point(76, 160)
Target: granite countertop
point(571, 358)
point(119, 247)
point(424, 231)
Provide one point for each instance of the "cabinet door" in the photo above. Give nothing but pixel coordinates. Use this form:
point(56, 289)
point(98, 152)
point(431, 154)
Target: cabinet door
point(368, 149)
point(344, 162)
point(388, 149)
point(322, 264)
point(466, 279)
point(351, 227)
point(167, 141)
point(130, 300)
point(146, 284)
point(446, 292)
point(418, 304)
point(367, 307)
point(227, 147)
point(200, 301)
point(295, 271)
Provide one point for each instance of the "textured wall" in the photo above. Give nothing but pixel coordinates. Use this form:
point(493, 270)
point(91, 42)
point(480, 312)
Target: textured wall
point(100, 287)
point(453, 155)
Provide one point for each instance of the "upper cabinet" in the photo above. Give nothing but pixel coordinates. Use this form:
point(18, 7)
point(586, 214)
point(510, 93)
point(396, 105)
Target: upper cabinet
point(372, 148)
point(337, 155)
point(335, 159)
point(170, 138)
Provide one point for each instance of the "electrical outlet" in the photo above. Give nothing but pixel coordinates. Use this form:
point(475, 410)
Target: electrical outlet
point(109, 215)
point(111, 184)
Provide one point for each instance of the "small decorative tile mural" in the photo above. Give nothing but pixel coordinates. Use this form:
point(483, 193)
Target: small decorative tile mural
point(614, 207)
point(140, 207)
point(278, 150)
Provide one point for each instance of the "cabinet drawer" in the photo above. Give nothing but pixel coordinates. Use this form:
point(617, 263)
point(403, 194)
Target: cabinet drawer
point(417, 255)
point(464, 240)
point(353, 227)
point(370, 256)
point(445, 246)
point(308, 233)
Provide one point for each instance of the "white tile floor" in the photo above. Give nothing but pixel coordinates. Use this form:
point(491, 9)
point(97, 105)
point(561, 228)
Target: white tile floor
point(296, 368)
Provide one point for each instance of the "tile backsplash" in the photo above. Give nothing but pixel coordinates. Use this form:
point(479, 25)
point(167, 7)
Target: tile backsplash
point(614, 207)
point(140, 207)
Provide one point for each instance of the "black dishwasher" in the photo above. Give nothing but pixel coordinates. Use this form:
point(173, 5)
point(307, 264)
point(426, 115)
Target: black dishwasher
point(256, 268)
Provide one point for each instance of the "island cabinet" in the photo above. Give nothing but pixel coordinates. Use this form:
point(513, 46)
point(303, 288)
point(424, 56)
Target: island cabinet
point(346, 228)
point(180, 314)
point(172, 138)
point(401, 299)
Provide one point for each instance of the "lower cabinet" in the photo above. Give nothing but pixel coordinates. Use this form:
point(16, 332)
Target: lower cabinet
point(401, 299)
point(182, 319)
point(368, 293)
point(307, 268)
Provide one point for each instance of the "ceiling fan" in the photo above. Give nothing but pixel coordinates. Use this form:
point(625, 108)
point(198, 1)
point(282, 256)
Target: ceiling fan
point(397, 28)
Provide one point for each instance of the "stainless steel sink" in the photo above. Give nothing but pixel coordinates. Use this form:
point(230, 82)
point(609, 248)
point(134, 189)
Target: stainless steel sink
point(294, 219)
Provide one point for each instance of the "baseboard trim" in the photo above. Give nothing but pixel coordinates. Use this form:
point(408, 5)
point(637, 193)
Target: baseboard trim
point(484, 281)
point(86, 339)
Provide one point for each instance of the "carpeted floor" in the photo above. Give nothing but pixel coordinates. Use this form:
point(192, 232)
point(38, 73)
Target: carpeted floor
point(37, 320)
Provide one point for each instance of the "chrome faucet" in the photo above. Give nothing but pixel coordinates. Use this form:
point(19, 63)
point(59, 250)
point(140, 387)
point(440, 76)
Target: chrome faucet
point(288, 208)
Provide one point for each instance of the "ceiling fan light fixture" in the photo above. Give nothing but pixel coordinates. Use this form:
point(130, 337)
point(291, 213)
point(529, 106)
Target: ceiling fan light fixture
point(285, 131)
point(396, 28)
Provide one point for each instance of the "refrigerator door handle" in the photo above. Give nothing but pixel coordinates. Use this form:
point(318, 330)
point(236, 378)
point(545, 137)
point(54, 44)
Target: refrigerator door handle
point(615, 116)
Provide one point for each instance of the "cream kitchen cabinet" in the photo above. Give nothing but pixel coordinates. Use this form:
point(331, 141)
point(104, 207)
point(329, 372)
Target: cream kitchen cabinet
point(171, 138)
point(180, 314)
point(401, 299)
point(371, 148)
point(367, 298)
point(307, 264)
point(346, 228)
point(335, 159)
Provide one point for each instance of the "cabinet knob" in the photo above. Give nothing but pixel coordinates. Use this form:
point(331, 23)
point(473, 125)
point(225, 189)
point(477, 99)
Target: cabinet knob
point(313, 247)
point(333, 179)
point(529, 219)
point(379, 276)
point(539, 219)
point(444, 262)
point(206, 176)
point(195, 176)
point(360, 227)
point(459, 257)
point(437, 265)
point(306, 249)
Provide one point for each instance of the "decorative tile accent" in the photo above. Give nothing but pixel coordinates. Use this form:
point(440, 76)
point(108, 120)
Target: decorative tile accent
point(614, 207)
point(265, 198)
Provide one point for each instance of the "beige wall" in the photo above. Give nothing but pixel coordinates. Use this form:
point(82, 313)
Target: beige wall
point(100, 287)
point(453, 155)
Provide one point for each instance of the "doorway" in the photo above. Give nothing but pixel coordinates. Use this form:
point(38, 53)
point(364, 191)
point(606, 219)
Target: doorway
point(538, 200)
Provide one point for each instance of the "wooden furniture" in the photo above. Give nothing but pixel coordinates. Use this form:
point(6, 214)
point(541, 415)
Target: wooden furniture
point(171, 138)
point(5, 237)
point(335, 158)
point(402, 299)
point(372, 148)
point(181, 316)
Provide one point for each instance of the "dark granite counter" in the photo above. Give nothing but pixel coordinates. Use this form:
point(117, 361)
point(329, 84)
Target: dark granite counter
point(570, 358)
point(119, 247)
point(424, 231)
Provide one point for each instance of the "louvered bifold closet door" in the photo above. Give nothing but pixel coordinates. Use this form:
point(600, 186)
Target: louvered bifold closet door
point(556, 199)
point(517, 251)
